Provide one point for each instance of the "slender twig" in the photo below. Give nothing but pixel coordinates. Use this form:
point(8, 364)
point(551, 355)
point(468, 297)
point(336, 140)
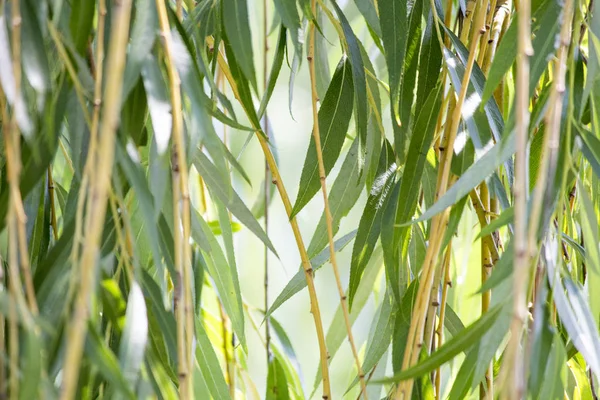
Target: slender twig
point(306, 265)
point(53, 222)
point(486, 388)
point(438, 224)
point(99, 189)
point(513, 365)
point(328, 217)
point(440, 326)
point(181, 206)
point(13, 160)
point(267, 187)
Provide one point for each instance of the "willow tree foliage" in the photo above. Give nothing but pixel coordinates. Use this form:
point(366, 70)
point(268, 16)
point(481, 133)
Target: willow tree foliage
point(465, 134)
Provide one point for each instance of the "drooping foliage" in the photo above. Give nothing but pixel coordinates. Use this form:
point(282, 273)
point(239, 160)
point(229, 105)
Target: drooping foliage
point(451, 174)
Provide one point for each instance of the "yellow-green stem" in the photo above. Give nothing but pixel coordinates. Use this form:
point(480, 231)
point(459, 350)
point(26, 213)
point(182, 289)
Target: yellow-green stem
point(181, 214)
point(513, 365)
point(440, 326)
point(99, 190)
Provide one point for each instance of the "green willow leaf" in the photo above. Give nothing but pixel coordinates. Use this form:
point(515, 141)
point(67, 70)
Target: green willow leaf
point(573, 310)
point(105, 361)
point(480, 170)
point(369, 226)
point(81, 23)
point(358, 76)
point(223, 274)
point(408, 81)
point(277, 385)
point(237, 29)
point(369, 12)
point(143, 36)
point(230, 198)
point(298, 281)
point(403, 203)
point(209, 365)
point(343, 196)
point(459, 343)
point(288, 12)
point(393, 17)
point(430, 60)
point(35, 60)
point(135, 335)
point(334, 119)
point(159, 103)
point(275, 69)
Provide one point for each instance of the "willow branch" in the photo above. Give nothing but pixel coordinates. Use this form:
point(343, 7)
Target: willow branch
point(515, 385)
point(181, 211)
point(99, 190)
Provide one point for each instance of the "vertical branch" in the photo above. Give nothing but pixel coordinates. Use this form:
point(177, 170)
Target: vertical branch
point(306, 265)
point(328, 218)
point(440, 326)
point(486, 389)
point(99, 189)
point(266, 188)
point(13, 161)
point(438, 224)
point(181, 212)
point(513, 364)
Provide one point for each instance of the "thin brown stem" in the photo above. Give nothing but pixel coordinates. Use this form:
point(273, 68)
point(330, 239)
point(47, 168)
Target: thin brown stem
point(486, 388)
point(99, 190)
point(267, 188)
point(440, 326)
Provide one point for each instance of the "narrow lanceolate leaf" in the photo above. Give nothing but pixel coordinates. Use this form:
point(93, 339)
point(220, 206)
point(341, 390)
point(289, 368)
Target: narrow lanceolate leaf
point(343, 196)
point(334, 118)
point(298, 281)
point(225, 278)
point(288, 11)
point(459, 343)
point(479, 171)
point(404, 204)
point(135, 335)
point(35, 60)
point(275, 69)
point(277, 385)
point(394, 29)
point(369, 12)
point(230, 198)
point(237, 29)
point(209, 365)
point(369, 226)
point(573, 310)
point(358, 74)
point(408, 81)
point(159, 104)
point(143, 35)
